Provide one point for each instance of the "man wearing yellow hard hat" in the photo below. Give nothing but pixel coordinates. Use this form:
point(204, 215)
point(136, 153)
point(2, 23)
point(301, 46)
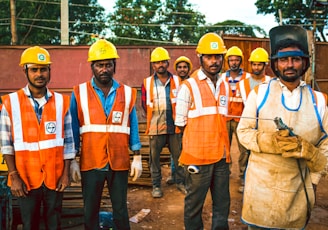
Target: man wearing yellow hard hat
point(37, 142)
point(258, 59)
point(202, 103)
point(105, 117)
point(233, 75)
point(159, 93)
point(183, 68)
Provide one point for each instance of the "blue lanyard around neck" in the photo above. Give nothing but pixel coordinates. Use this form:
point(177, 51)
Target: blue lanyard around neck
point(284, 103)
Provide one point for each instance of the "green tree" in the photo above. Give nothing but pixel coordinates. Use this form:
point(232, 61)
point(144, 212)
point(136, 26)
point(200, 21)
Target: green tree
point(156, 21)
point(38, 22)
point(296, 12)
point(234, 27)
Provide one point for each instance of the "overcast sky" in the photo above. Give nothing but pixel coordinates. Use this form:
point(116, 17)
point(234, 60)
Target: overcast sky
point(221, 10)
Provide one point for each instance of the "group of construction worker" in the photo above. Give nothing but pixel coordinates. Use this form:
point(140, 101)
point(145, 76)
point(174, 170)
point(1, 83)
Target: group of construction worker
point(279, 121)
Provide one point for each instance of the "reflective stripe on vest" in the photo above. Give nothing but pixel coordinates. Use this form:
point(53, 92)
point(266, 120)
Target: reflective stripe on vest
point(19, 143)
point(200, 110)
point(104, 128)
point(149, 90)
point(149, 87)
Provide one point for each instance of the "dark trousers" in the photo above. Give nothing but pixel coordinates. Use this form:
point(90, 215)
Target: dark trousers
point(244, 153)
point(157, 143)
point(93, 182)
point(30, 208)
point(216, 178)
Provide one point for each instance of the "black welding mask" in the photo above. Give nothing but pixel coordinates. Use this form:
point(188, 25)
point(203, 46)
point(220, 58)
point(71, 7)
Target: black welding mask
point(286, 36)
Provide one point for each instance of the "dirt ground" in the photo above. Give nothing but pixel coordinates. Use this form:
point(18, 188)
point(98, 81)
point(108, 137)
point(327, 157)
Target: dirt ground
point(167, 212)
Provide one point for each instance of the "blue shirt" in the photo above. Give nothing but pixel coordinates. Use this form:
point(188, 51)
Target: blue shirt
point(107, 104)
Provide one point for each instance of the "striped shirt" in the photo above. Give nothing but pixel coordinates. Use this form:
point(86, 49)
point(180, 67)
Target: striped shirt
point(233, 81)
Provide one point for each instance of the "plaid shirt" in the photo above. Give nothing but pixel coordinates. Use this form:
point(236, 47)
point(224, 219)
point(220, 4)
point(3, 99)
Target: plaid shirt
point(7, 145)
point(162, 109)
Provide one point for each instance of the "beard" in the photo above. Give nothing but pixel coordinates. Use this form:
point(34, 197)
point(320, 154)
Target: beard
point(288, 78)
point(234, 67)
point(38, 85)
point(257, 73)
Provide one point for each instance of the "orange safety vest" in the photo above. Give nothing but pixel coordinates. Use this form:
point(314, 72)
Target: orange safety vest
point(236, 104)
point(244, 87)
point(39, 148)
point(104, 139)
point(149, 86)
point(205, 138)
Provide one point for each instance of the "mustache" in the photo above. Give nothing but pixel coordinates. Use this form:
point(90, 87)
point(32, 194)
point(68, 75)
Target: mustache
point(105, 74)
point(290, 69)
point(214, 65)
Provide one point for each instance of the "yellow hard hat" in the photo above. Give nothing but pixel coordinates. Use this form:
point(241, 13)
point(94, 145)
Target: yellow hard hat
point(211, 43)
point(159, 54)
point(183, 59)
point(234, 51)
point(259, 55)
point(35, 55)
point(102, 50)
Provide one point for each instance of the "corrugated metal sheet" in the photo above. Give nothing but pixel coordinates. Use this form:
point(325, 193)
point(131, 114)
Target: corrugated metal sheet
point(70, 66)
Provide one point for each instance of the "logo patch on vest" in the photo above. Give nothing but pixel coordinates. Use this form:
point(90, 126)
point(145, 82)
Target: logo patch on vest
point(50, 127)
point(223, 100)
point(117, 117)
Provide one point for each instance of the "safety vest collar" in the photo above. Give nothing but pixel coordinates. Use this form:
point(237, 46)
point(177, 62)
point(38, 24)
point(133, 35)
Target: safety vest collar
point(27, 92)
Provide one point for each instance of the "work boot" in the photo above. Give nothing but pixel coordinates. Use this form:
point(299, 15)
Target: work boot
point(182, 188)
point(157, 192)
point(170, 180)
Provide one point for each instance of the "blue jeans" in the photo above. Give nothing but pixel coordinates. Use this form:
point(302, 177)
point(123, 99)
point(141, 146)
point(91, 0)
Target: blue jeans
point(30, 208)
point(93, 182)
point(216, 178)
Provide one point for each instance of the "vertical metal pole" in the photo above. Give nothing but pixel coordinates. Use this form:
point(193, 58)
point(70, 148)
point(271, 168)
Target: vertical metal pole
point(64, 18)
point(13, 22)
point(280, 17)
point(314, 42)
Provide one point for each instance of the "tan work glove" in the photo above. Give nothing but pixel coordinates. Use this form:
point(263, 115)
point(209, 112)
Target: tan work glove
point(286, 142)
point(267, 141)
point(299, 148)
point(75, 171)
point(136, 167)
